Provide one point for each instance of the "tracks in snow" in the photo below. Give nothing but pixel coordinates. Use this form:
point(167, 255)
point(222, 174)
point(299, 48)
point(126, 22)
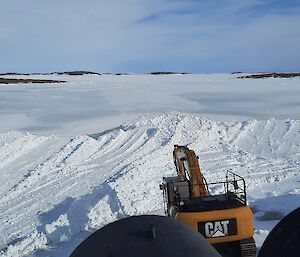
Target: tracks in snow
point(58, 189)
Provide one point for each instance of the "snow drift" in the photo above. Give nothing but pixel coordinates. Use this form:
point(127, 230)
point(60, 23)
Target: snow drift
point(55, 191)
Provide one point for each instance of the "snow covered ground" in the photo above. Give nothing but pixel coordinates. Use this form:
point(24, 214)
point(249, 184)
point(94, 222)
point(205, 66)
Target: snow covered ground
point(92, 103)
point(58, 185)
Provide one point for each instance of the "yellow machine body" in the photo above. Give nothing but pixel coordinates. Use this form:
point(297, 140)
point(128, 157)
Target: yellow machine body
point(243, 216)
point(223, 218)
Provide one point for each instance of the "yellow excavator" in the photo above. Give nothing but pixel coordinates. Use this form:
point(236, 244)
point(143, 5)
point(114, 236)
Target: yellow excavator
point(224, 218)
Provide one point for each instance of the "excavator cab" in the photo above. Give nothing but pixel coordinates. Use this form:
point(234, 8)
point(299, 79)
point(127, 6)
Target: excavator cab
point(231, 193)
point(217, 210)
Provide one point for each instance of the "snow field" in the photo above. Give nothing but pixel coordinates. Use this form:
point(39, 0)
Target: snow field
point(92, 103)
point(56, 191)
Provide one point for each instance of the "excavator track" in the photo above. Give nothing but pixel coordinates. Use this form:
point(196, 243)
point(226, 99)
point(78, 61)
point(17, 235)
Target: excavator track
point(248, 247)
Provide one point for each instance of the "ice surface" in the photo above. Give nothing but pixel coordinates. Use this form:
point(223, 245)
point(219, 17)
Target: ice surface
point(56, 190)
point(91, 103)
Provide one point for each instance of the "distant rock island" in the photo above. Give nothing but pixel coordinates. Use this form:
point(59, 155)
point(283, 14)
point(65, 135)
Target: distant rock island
point(28, 81)
point(73, 73)
point(271, 75)
point(76, 73)
point(167, 73)
point(9, 80)
point(80, 73)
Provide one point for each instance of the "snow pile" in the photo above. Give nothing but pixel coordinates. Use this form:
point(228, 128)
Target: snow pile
point(14, 145)
point(57, 191)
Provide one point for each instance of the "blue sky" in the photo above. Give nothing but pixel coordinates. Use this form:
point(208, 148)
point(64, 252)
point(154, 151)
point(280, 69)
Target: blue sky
point(144, 35)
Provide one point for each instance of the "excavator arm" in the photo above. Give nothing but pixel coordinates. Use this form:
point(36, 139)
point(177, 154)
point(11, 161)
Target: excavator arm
point(188, 168)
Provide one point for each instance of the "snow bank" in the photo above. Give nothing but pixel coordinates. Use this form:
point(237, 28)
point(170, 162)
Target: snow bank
point(65, 189)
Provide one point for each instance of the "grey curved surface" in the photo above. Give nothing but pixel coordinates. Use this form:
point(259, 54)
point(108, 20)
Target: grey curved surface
point(145, 236)
point(284, 239)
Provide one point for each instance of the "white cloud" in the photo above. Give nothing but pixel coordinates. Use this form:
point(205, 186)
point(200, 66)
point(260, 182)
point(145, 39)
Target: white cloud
point(110, 35)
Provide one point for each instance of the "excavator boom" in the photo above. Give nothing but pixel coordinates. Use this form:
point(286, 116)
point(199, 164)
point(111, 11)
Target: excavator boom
point(187, 166)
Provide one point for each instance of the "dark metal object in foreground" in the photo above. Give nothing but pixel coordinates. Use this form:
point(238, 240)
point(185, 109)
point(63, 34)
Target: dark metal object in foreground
point(145, 236)
point(284, 239)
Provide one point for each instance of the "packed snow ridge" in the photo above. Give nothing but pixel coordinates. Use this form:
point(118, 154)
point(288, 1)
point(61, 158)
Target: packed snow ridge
point(55, 192)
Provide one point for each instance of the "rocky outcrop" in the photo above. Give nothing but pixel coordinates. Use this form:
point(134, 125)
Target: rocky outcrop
point(28, 81)
point(271, 75)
